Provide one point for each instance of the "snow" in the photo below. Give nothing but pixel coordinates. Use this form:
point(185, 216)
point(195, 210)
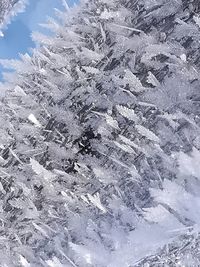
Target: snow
point(99, 154)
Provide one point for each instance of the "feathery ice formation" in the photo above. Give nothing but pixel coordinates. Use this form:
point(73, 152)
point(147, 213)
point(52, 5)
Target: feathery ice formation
point(100, 139)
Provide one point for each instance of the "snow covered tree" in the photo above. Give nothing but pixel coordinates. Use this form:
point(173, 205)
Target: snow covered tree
point(100, 147)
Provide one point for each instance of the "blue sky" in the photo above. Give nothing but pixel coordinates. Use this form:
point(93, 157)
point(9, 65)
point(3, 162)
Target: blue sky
point(17, 36)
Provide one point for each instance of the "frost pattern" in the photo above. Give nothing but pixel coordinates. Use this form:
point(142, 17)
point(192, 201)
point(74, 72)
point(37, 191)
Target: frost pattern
point(99, 139)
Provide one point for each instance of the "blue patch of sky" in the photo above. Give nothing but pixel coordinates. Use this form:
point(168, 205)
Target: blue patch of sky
point(17, 36)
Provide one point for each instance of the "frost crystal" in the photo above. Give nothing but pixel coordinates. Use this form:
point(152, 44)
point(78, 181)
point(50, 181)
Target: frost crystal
point(99, 139)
